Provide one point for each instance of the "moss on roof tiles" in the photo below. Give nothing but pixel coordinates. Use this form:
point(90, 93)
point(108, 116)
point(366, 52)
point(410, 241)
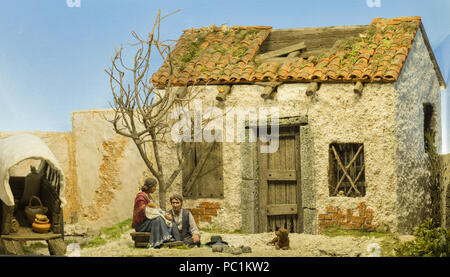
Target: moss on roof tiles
point(377, 54)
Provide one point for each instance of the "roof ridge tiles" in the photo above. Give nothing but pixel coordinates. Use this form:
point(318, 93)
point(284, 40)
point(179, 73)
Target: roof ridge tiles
point(395, 20)
point(214, 28)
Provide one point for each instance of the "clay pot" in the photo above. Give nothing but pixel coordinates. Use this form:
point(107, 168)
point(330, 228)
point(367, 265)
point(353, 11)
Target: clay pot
point(41, 226)
point(41, 217)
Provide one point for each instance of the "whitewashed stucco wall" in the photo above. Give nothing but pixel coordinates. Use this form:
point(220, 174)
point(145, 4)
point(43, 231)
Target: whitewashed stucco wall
point(417, 85)
point(335, 114)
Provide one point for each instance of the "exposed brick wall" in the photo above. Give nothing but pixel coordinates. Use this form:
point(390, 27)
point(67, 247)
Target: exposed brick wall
point(348, 218)
point(205, 211)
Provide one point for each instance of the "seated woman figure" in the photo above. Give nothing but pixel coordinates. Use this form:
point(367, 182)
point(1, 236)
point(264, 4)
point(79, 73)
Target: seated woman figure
point(161, 231)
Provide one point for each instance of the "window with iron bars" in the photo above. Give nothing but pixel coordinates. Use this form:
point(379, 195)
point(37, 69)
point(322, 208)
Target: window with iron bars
point(347, 170)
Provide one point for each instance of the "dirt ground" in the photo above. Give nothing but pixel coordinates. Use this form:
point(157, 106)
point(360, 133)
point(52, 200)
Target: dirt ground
point(301, 245)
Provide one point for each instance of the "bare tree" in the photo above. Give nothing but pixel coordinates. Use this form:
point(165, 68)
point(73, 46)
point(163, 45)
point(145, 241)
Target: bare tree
point(141, 110)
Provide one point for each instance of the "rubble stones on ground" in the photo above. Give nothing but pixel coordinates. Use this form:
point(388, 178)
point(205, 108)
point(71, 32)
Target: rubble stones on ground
point(82, 241)
point(232, 250)
point(236, 250)
point(217, 248)
point(302, 245)
point(76, 230)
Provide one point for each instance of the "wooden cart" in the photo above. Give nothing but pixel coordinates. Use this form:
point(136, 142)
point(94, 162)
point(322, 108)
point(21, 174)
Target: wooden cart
point(49, 189)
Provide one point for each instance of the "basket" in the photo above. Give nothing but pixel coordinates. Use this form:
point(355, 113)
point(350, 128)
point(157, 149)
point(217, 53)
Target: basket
point(32, 211)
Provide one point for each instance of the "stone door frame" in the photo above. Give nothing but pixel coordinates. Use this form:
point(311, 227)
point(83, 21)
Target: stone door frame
point(250, 180)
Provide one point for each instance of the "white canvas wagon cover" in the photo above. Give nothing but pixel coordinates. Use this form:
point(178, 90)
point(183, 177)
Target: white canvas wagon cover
point(17, 148)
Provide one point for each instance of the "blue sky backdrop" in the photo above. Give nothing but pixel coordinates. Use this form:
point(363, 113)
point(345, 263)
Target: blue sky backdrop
point(52, 55)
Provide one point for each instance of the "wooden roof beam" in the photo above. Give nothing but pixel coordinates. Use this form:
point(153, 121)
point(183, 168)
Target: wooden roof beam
point(276, 53)
point(312, 88)
point(269, 89)
point(358, 88)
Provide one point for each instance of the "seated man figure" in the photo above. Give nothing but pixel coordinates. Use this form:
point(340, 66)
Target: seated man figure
point(185, 222)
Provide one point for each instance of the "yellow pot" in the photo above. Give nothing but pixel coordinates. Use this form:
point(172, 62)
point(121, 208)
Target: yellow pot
point(41, 226)
point(41, 217)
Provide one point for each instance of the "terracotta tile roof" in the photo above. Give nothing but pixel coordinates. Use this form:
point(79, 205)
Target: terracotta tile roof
point(221, 55)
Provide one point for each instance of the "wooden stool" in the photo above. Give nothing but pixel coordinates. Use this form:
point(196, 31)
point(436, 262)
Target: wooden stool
point(141, 239)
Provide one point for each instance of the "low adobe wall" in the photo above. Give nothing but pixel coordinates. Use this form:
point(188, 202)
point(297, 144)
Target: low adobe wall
point(108, 168)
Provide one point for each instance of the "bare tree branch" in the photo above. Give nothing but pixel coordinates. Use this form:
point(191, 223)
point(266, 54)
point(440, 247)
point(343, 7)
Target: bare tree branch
point(140, 111)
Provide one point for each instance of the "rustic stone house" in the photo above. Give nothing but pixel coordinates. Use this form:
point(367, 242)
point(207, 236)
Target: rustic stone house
point(354, 105)
point(239, 188)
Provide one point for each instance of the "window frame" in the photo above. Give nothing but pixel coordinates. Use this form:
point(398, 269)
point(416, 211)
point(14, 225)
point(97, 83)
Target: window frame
point(351, 158)
point(212, 188)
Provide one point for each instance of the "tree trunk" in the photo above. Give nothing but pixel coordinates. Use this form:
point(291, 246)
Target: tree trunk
point(162, 195)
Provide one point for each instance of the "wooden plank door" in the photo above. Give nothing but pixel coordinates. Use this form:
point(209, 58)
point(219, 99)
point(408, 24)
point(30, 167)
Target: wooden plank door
point(279, 186)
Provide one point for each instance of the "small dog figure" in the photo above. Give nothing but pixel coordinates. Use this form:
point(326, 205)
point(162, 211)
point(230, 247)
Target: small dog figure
point(281, 241)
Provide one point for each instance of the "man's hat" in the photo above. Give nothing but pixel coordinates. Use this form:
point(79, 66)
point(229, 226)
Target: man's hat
point(216, 240)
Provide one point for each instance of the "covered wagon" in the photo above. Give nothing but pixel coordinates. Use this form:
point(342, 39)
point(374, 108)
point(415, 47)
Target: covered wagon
point(41, 187)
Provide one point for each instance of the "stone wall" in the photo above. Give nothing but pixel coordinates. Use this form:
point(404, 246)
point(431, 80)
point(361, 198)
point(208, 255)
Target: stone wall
point(335, 114)
point(417, 85)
